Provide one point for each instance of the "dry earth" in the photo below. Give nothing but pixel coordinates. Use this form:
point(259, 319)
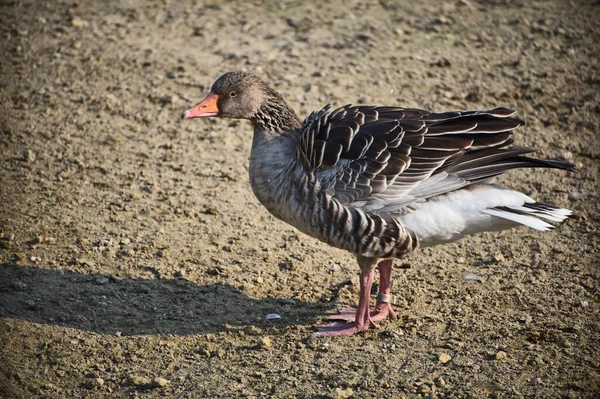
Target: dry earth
point(135, 262)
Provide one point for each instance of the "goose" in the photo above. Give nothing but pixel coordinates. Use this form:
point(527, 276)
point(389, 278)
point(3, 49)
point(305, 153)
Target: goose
point(380, 181)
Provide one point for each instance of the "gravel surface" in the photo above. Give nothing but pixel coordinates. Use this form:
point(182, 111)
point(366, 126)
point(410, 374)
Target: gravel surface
point(136, 263)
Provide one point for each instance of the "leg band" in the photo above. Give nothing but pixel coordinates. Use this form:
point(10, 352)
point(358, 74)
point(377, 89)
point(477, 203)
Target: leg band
point(384, 298)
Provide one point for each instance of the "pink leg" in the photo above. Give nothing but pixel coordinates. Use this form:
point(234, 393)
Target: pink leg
point(362, 320)
point(382, 309)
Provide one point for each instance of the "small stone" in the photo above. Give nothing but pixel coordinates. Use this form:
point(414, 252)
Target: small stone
point(98, 381)
point(126, 253)
point(442, 62)
point(137, 381)
point(445, 358)
point(94, 382)
point(499, 258)
point(574, 196)
point(28, 156)
point(202, 351)
point(501, 355)
point(101, 280)
point(567, 155)
point(163, 253)
point(265, 343)
point(111, 100)
point(472, 277)
point(340, 393)
point(77, 22)
point(160, 382)
point(252, 330)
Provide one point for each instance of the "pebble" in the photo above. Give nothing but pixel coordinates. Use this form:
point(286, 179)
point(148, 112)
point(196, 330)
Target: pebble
point(101, 280)
point(445, 358)
point(574, 196)
point(28, 156)
point(94, 382)
point(442, 62)
point(265, 343)
point(202, 351)
point(160, 382)
point(137, 381)
point(111, 100)
point(472, 276)
point(499, 258)
point(501, 355)
point(252, 330)
point(340, 393)
point(163, 253)
point(77, 22)
point(567, 155)
point(36, 240)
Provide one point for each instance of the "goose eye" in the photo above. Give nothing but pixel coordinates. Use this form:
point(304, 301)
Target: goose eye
point(233, 94)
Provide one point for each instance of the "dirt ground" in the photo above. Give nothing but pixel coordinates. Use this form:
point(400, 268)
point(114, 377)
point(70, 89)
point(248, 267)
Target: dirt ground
point(135, 261)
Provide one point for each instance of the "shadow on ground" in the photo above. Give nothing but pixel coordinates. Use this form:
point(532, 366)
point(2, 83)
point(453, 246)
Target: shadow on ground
point(106, 304)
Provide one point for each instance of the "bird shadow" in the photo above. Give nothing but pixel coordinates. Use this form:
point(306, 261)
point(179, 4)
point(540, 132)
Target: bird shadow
point(108, 304)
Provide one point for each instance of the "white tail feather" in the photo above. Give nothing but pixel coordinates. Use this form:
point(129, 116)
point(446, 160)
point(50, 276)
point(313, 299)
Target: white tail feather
point(530, 221)
point(485, 207)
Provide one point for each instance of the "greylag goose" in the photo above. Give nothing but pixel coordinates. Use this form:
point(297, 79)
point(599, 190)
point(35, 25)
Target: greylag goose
point(380, 181)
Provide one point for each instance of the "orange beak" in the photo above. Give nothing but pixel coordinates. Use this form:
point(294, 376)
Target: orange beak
point(205, 108)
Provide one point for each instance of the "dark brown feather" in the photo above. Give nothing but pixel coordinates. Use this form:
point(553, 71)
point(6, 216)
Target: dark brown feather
point(366, 148)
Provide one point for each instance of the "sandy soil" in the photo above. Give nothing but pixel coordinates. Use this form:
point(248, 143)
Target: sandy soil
point(135, 262)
